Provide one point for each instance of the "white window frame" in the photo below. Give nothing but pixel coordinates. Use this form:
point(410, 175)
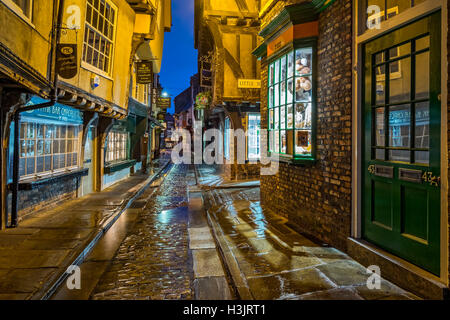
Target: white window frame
point(111, 142)
point(52, 140)
point(227, 138)
point(19, 12)
point(89, 66)
point(258, 135)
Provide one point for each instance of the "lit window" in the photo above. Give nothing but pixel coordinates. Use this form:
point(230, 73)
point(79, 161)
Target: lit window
point(99, 34)
point(253, 140)
point(117, 147)
point(291, 104)
point(47, 148)
point(226, 139)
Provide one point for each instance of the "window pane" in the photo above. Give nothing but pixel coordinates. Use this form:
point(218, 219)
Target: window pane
point(291, 64)
point(290, 116)
point(290, 91)
point(302, 142)
point(277, 95)
point(283, 142)
point(303, 59)
point(283, 117)
point(303, 89)
point(423, 43)
point(31, 166)
point(379, 127)
point(422, 125)
point(277, 118)
point(277, 71)
point(423, 75)
point(400, 80)
point(283, 93)
point(283, 68)
point(399, 126)
point(380, 73)
point(271, 118)
point(303, 115)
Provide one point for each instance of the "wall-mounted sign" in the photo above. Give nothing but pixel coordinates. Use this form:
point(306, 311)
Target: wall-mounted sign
point(66, 60)
point(144, 72)
point(249, 84)
point(58, 112)
point(164, 103)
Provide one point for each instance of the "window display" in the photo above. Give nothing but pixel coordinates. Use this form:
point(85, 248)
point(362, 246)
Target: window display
point(291, 104)
point(117, 147)
point(47, 148)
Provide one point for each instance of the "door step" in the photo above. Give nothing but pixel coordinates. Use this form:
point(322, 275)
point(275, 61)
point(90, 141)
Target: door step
point(398, 271)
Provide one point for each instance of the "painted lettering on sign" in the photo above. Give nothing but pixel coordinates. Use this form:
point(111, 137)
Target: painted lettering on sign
point(249, 84)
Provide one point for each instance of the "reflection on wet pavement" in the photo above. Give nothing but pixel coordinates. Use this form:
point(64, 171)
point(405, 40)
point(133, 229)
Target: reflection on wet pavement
point(278, 263)
point(153, 261)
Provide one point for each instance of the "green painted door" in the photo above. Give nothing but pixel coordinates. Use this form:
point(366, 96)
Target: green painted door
point(402, 117)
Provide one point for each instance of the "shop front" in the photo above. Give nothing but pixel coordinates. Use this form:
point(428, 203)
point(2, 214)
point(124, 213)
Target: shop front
point(49, 156)
point(400, 146)
point(119, 164)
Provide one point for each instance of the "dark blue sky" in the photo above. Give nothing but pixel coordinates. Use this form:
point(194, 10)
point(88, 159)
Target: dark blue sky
point(179, 58)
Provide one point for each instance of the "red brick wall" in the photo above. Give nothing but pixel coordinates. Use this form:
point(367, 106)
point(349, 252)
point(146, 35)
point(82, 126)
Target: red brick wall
point(317, 198)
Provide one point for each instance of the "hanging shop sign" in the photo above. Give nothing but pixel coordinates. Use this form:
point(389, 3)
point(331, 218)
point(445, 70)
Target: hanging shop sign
point(66, 60)
point(249, 84)
point(164, 103)
point(144, 72)
point(203, 100)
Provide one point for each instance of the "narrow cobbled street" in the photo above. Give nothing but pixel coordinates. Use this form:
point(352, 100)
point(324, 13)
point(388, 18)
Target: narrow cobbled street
point(153, 262)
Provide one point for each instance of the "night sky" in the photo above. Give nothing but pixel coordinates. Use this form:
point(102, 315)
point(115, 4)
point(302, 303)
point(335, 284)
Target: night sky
point(179, 58)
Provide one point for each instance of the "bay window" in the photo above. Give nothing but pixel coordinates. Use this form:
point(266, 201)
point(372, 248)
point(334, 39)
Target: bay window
point(117, 147)
point(47, 148)
point(291, 104)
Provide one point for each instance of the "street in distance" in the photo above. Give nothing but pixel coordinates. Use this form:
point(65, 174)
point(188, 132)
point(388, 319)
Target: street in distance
point(234, 310)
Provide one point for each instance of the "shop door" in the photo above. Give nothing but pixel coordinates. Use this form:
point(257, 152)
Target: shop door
point(88, 181)
point(401, 196)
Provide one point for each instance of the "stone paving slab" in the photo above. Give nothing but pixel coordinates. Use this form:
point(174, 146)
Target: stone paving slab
point(34, 255)
point(269, 260)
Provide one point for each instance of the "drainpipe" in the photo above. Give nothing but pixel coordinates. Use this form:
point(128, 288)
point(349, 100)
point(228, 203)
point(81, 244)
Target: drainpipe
point(16, 156)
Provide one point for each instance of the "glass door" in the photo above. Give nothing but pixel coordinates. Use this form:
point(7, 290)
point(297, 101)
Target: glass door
point(402, 143)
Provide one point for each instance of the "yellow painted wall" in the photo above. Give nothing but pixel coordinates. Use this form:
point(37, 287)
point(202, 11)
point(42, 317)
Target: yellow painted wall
point(115, 86)
point(29, 41)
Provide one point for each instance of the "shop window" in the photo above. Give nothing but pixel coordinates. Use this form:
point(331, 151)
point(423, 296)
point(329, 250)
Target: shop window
point(292, 104)
point(253, 139)
point(99, 34)
point(382, 10)
point(117, 147)
point(227, 139)
point(46, 148)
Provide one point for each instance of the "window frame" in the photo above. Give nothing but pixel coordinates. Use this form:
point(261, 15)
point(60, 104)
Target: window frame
point(87, 26)
point(227, 138)
point(53, 139)
point(297, 44)
point(116, 158)
point(18, 10)
point(258, 136)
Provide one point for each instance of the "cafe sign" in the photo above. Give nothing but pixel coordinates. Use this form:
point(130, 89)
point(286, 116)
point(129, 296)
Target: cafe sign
point(249, 84)
point(66, 60)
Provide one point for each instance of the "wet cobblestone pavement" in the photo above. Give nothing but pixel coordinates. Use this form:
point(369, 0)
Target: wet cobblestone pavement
point(154, 261)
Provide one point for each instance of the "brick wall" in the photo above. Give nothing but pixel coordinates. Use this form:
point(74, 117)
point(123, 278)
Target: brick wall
point(317, 198)
point(47, 196)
